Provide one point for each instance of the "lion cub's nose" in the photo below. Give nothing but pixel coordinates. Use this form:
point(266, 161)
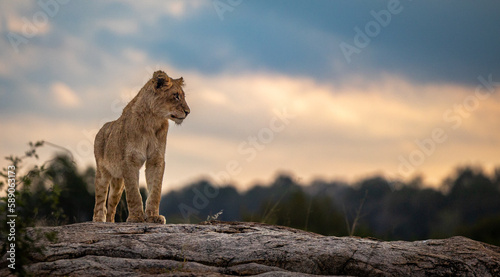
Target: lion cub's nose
point(187, 111)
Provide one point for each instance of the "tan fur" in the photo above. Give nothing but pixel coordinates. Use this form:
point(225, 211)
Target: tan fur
point(138, 136)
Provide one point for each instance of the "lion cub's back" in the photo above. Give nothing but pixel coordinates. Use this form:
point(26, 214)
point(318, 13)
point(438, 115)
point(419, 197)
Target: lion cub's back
point(102, 139)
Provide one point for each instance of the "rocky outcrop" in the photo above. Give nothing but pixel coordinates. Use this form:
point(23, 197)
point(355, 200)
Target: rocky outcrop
point(247, 249)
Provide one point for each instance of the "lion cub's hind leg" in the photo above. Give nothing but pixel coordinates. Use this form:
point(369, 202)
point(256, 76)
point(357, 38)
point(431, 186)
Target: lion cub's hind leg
point(102, 180)
point(115, 194)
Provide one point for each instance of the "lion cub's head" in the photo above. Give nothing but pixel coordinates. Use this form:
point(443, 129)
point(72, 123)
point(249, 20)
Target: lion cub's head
point(169, 98)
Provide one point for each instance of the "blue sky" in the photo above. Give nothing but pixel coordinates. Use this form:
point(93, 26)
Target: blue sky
point(67, 67)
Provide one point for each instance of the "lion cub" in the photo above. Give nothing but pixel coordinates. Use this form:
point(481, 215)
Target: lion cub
point(139, 136)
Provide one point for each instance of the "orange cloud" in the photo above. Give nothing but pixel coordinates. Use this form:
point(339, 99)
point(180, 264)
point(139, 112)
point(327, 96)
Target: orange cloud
point(344, 131)
point(64, 95)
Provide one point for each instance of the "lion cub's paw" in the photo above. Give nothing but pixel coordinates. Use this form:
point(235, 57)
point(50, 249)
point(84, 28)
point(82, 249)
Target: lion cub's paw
point(156, 219)
point(99, 217)
point(135, 219)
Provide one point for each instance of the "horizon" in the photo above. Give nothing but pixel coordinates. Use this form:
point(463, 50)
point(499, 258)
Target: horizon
point(44, 159)
point(332, 90)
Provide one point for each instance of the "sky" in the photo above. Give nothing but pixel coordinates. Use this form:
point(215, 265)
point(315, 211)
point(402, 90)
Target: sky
point(337, 90)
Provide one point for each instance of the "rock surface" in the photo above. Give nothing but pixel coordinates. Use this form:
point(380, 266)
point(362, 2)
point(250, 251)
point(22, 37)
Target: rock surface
point(247, 249)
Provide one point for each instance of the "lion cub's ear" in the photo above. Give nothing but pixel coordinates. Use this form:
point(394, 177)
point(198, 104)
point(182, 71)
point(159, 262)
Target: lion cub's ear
point(179, 81)
point(161, 79)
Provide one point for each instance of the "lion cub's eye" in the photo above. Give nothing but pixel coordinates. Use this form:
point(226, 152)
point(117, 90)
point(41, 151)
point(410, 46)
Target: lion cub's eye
point(177, 96)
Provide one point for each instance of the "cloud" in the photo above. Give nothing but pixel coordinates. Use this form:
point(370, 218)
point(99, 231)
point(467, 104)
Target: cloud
point(150, 10)
point(122, 26)
point(25, 18)
point(135, 55)
point(64, 95)
point(348, 130)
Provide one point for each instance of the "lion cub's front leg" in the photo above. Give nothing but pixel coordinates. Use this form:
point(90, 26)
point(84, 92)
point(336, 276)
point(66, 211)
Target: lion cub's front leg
point(154, 176)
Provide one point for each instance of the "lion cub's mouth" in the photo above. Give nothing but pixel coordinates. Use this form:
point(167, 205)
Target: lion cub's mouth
point(177, 118)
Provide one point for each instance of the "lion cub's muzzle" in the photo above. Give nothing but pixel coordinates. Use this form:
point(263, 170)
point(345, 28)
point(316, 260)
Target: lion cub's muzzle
point(178, 119)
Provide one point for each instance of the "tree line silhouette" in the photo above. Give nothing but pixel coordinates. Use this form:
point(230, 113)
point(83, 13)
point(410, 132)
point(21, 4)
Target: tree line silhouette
point(467, 203)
